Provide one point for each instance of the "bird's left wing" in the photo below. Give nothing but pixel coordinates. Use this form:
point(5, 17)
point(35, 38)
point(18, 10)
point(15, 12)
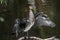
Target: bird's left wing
point(30, 20)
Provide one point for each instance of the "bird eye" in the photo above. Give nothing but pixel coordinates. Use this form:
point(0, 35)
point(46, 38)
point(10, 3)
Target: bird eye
point(45, 16)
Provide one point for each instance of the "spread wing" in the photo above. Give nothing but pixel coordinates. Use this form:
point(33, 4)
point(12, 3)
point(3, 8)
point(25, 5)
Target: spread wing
point(30, 21)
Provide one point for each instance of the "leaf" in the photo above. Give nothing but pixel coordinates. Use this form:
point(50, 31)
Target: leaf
point(3, 2)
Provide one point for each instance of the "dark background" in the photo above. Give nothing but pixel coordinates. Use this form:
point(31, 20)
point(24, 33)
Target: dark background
point(19, 8)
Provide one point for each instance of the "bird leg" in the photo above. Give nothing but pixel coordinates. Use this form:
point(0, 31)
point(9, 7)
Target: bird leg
point(16, 35)
point(26, 35)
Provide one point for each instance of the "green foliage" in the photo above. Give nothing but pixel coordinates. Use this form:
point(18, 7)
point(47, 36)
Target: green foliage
point(3, 2)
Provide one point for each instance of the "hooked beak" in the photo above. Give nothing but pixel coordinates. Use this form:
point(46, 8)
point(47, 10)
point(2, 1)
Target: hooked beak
point(51, 24)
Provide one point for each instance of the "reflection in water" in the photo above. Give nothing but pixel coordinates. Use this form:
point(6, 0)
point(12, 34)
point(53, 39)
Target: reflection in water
point(37, 38)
